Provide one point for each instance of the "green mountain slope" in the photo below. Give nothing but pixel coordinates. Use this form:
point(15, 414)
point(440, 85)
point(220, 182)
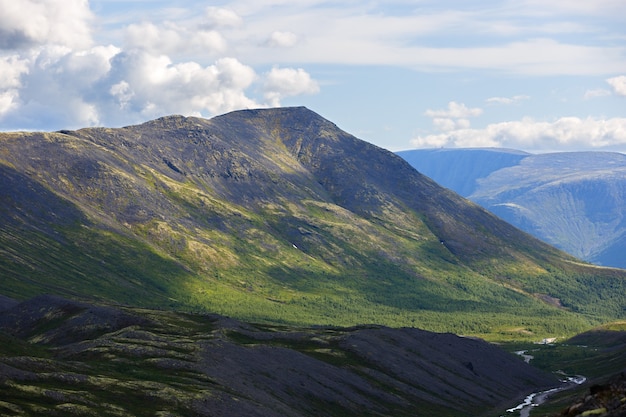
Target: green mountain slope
point(276, 215)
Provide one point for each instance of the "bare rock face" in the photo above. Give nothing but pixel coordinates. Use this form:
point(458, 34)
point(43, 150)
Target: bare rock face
point(61, 356)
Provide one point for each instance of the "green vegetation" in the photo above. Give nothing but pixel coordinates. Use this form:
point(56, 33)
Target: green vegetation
point(598, 355)
point(277, 217)
point(60, 357)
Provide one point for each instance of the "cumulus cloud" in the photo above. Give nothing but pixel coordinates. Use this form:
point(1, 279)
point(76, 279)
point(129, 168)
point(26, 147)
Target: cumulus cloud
point(171, 39)
point(284, 82)
point(455, 117)
point(618, 84)
point(151, 86)
point(529, 134)
point(28, 23)
point(446, 124)
point(52, 76)
point(11, 70)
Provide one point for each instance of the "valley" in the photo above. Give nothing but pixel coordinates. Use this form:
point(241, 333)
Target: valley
point(267, 261)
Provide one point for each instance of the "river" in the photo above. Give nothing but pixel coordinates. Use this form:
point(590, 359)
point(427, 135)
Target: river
point(537, 398)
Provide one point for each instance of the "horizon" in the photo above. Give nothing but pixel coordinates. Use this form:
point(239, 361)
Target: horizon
point(402, 75)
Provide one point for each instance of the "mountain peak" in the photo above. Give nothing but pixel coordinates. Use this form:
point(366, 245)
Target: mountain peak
point(270, 214)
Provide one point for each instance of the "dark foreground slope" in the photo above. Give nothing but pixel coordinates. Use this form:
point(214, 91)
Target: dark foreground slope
point(573, 200)
point(59, 357)
point(276, 215)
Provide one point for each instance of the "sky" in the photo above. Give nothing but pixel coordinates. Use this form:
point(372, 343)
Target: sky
point(539, 76)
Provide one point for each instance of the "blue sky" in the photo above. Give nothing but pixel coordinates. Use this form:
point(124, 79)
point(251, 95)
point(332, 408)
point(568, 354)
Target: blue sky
point(525, 74)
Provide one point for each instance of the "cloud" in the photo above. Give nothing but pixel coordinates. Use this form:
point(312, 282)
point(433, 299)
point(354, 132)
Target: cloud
point(150, 86)
point(53, 81)
point(530, 39)
point(618, 84)
point(12, 68)
point(30, 23)
point(446, 124)
point(284, 82)
point(598, 92)
point(455, 117)
point(455, 110)
point(282, 39)
point(171, 39)
point(507, 100)
point(60, 84)
point(528, 134)
point(217, 17)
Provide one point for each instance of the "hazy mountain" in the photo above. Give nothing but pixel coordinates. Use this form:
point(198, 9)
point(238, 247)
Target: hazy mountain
point(60, 357)
point(460, 170)
point(575, 200)
point(276, 215)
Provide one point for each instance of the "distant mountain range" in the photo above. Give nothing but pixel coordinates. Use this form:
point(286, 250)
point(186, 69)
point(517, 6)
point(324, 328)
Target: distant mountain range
point(279, 216)
point(575, 201)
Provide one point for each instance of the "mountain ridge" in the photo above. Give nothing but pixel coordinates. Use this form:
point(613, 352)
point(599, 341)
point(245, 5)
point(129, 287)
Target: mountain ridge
point(275, 215)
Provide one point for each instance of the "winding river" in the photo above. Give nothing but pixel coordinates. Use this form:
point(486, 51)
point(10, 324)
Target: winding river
point(537, 398)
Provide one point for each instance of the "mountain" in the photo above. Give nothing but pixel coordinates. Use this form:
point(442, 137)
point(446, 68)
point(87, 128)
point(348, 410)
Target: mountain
point(279, 216)
point(572, 200)
point(62, 357)
point(461, 169)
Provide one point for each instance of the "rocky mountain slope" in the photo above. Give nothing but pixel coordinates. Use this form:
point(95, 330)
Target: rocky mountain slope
point(574, 201)
point(276, 215)
point(61, 357)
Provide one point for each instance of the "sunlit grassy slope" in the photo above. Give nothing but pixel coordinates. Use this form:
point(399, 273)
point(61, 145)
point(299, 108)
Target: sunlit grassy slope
point(279, 216)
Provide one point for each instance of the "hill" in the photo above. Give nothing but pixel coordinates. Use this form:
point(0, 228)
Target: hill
point(61, 357)
point(572, 200)
point(279, 216)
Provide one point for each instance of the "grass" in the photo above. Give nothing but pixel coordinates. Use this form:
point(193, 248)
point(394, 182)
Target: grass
point(135, 232)
point(598, 355)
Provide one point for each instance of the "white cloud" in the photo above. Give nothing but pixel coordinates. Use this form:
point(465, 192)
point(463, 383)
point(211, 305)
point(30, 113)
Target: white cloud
point(221, 17)
point(455, 110)
point(528, 39)
point(282, 39)
point(447, 124)
point(455, 117)
point(618, 84)
point(507, 100)
point(54, 81)
point(528, 134)
point(29, 23)
point(151, 86)
point(284, 82)
point(171, 39)
point(11, 69)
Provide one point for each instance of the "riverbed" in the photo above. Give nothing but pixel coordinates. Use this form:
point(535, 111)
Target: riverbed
point(537, 398)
